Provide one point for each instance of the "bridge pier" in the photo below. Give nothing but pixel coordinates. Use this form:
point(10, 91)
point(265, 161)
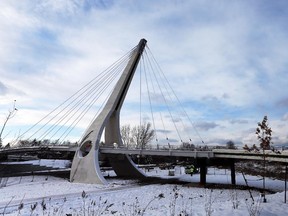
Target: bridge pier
point(232, 169)
point(203, 170)
point(203, 164)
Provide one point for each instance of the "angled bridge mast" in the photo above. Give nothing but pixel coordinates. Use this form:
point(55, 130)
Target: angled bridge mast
point(85, 166)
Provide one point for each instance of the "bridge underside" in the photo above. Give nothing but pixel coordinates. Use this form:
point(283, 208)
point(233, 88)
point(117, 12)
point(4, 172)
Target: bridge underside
point(201, 162)
point(125, 167)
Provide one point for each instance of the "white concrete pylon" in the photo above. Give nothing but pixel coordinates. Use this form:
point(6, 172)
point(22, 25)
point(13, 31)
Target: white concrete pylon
point(85, 166)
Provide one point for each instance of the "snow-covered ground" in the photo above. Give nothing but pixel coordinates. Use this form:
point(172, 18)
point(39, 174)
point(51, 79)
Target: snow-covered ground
point(42, 195)
point(44, 162)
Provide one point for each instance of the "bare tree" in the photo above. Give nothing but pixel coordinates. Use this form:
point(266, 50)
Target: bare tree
point(144, 134)
point(10, 115)
point(138, 136)
point(126, 135)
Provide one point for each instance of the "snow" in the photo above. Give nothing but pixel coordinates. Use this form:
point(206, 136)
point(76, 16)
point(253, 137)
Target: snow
point(57, 196)
point(44, 162)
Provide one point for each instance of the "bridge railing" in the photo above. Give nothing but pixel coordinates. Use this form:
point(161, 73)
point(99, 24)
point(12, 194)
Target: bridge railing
point(166, 147)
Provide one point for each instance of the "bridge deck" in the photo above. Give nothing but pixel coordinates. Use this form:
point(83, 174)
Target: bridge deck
point(170, 152)
point(253, 155)
point(215, 153)
point(38, 148)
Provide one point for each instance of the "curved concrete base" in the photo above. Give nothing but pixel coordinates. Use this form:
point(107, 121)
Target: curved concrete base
point(86, 169)
point(125, 167)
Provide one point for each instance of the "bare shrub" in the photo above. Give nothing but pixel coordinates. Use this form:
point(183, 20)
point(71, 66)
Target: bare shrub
point(254, 207)
point(234, 199)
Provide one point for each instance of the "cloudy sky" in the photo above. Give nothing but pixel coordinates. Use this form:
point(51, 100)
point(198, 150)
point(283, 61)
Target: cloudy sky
point(227, 59)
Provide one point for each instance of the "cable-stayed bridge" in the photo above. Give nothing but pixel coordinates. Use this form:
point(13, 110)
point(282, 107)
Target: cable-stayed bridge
point(167, 117)
point(206, 158)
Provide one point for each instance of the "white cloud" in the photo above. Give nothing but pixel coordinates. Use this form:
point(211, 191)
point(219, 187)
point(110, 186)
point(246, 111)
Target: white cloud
point(49, 49)
point(285, 117)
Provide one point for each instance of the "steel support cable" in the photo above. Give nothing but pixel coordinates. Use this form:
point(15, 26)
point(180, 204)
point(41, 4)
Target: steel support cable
point(96, 114)
point(76, 120)
point(77, 92)
point(179, 114)
point(72, 111)
point(193, 125)
point(98, 111)
point(168, 108)
point(85, 98)
point(81, 115)
point(95, 88)
point(140, 139)
point(154, 91)
point(149, 96)
point(171, 99)
point(140, 94)
point(100, 89)
point(174, 93)
point(69, 111)
point(84, 111)
point(169, 103)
